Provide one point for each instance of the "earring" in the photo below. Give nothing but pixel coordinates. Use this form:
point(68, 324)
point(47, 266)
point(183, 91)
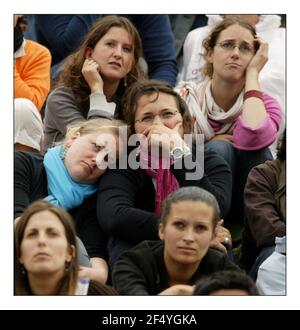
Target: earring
point(63, 153)
point(125, 81)
point(67, 266)
point(23, 270)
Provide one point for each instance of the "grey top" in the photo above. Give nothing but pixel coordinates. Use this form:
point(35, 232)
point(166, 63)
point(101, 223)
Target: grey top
point(62, 110)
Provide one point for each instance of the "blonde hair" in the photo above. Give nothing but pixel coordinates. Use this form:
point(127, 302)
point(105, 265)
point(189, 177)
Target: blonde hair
point(92, 126)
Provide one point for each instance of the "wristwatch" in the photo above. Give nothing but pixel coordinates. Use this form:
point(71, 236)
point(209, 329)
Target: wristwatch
point(179, 152)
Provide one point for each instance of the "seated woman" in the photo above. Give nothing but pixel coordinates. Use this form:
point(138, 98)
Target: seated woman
point(129, 200)
point(95, 77)
point(172, 265)
point(67, 176)
point(238, 120)
point(46, 253)
point(226, 283)
point(265, 210)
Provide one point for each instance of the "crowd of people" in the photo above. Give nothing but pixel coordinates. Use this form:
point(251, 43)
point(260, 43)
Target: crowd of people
point(144, 155)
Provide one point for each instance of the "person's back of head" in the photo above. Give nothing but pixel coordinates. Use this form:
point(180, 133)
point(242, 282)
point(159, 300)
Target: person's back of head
point(226, 283)
point(98, 289)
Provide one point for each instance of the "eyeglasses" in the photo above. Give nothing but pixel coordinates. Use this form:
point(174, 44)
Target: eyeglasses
point(165, 115)
point(229, 45)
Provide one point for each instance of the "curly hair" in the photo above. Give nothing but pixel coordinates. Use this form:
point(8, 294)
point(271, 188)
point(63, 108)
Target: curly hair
point(71, 75)
point(210, 41)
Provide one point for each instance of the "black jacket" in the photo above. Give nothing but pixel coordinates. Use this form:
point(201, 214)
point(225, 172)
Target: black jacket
point(30, 184)
point(126, 197)
point(142, 271)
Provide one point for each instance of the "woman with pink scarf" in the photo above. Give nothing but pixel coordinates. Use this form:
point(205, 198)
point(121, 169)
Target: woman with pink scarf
point(129, 199)
point(236, 118)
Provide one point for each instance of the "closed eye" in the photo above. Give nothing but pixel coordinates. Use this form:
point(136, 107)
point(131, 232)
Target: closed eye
point(96, 147)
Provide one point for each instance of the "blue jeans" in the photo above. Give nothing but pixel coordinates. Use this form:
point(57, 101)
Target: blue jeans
point(240, 163)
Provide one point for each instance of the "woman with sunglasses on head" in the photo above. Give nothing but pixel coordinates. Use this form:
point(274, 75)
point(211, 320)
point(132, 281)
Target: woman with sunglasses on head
point(238, 120)
point(95, 77)
point(129, 200)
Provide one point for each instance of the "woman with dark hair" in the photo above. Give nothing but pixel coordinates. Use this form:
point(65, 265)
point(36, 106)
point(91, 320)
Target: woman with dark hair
point(183, 255)
point(95, 77)
point(129, 200)
point(238, 120)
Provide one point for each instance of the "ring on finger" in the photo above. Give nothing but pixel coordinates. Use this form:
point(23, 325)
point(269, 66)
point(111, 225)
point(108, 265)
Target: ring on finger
point(226, 240)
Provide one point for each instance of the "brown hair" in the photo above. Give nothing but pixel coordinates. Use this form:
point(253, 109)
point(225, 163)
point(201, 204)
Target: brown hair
point(194, 194)
point(148, 87)
point(71, 75)
point(210, 42)
point(99, 289)
point(68, 283)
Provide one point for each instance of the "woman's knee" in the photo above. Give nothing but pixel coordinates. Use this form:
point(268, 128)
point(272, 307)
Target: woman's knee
point(28, 125)
point(225, 150)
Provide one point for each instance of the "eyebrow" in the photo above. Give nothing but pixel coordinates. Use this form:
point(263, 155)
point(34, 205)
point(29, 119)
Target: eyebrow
point(164, 109)
point(34, 228)
point(235, 40)
point(196, 222)
point(115, 40)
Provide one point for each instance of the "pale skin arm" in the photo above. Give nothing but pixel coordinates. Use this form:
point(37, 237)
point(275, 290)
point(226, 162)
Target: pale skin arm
point(90, 71)
point(98, 272)
point(254, 111)
point(178, 290)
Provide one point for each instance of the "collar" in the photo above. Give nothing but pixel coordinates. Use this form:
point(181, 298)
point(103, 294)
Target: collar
point(21, 51)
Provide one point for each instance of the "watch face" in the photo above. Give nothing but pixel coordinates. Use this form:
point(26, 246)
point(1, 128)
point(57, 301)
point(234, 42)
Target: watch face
point(177, 152)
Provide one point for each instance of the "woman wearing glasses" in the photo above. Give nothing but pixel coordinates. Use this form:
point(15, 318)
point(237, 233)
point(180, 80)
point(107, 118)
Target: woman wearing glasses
point(238, 120)
point(129, 200)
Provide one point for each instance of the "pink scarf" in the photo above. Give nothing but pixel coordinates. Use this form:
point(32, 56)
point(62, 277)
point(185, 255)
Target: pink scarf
point(159, 169)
